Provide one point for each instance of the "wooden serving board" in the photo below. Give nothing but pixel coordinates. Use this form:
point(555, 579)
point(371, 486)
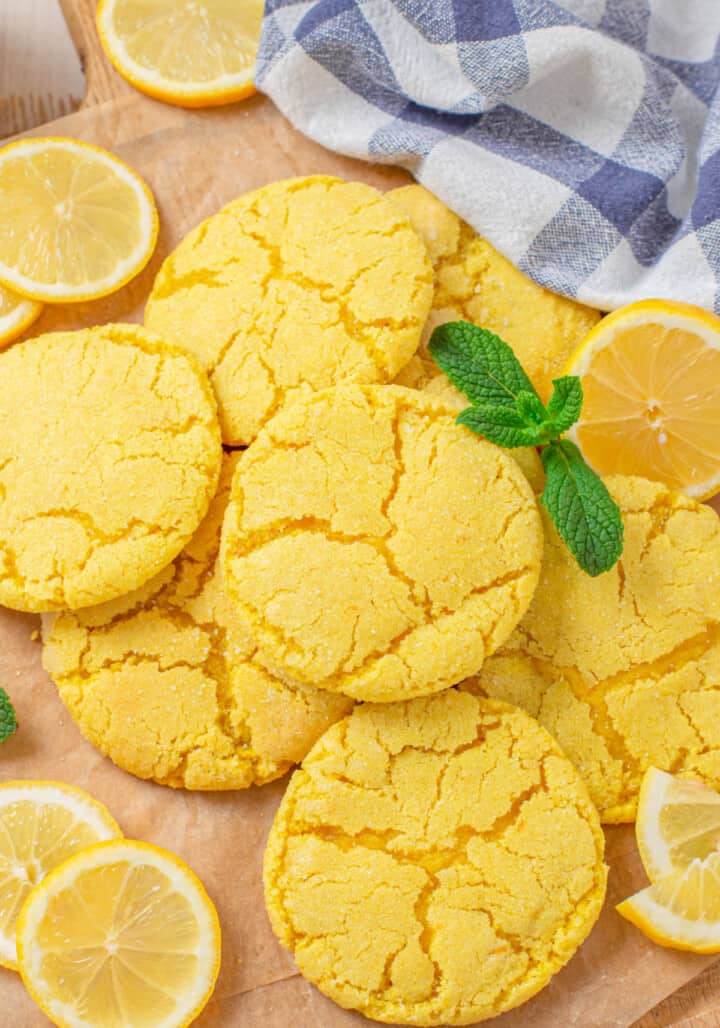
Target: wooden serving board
point(195, 162)
point(40, 76)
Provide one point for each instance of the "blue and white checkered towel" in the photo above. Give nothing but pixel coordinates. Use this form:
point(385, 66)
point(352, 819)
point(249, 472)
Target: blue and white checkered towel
point(582, 138)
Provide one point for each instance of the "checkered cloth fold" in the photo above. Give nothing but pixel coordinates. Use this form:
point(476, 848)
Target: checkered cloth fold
point(581, 138)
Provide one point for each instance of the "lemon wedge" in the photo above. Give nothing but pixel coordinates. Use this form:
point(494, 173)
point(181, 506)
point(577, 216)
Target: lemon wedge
point(192, 53)
point(16, 314)
point(681, 909)
point(121, 934)
point(678, 835)
point(78, 223)
point(41, 825)
point(651, 382)
point(678, 821)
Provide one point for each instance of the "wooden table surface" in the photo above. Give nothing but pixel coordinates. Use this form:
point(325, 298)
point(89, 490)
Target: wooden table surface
point(41, 79)
point(40, 74)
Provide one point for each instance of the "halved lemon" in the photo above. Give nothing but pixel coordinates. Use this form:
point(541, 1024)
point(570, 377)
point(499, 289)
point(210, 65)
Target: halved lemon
point(193, 53)
point(16, 314)
point(78, 223)
point(681, 909)
point(651, 381)
point(678, 821)
point(41, 825)
point(121, 934)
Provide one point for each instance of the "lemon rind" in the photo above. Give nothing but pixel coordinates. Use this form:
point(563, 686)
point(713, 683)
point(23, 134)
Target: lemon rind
point(86, 807)
point(176, 870)
point(217, 92)
point(654, 853)
point(21, 317)
point(674, 315)
point(131, 266)
point(648, 915)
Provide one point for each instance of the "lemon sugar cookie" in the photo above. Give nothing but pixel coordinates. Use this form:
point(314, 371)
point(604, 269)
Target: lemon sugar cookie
point(623, 669)
point(434, 861)
point(163, 681)
point(376, 548)
point(473, 282)
point(109, 455)
point(526, 457)
point(292, 288)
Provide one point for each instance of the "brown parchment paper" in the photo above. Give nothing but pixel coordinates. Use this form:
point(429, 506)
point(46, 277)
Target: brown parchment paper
point(195, 162)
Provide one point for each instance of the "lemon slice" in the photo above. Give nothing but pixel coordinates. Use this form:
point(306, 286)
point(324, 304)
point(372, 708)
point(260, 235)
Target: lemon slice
point(681, 909)
point(16, 314)
point(41, 824)
point(193, 53)
point(122, 934)
point(651, 381)
point(678, 821)
point(78, 223)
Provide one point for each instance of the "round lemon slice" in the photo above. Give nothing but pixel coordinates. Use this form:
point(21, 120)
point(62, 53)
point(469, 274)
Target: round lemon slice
point(121, 934)
point(681, 909)
point(192, 53)
point(651, 382)
point(41, 825)
point(16, 314)
point(78, 223)
point(678, 821)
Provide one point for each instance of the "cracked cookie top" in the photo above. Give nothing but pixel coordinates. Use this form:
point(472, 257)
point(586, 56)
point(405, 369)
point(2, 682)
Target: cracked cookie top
point(163, 681)
point(295, 287)
point(375, 547)
point(473, 282)
point(624, 669)
point(109, 455)
point(434, 861)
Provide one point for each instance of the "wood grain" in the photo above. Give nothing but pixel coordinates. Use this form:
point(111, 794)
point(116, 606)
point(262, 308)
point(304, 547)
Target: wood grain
point(40, 76)
point(696, 1005)
point(102, 81)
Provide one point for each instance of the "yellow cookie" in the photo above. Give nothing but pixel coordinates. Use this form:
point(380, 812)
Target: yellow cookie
point(164, 683)
point(527, 457)
point(109, 456)
point(623, 669)
point(473, 282)
point(375, 547)
point(292, 288)
point(435, 861)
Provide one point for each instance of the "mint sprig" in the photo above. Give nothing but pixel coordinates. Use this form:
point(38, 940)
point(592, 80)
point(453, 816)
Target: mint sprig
point(507, 410)
point(8, 721)
point(586, 516)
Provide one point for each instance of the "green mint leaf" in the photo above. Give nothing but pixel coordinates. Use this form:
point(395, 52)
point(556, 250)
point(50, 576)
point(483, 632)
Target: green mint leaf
point(582, 510)
point(565, 403)
point(8, 721)
point(507, 410)
point(531, 408)
point(501, 425)
point(479, 364)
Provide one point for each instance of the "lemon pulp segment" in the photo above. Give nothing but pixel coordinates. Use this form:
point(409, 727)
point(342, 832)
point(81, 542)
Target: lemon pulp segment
point(678, 820)
point(651, 385)
point(187, 52)
point(122, 934)
point(41, 825)
point(681, 909)
point(16, 314)
point(77, 222)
